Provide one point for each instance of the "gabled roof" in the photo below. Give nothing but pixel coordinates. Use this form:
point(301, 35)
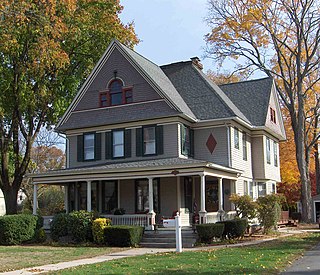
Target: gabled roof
point(251, 97)
point(205, 98)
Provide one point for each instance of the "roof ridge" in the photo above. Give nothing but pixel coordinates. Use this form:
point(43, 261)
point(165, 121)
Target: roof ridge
point(246, 81)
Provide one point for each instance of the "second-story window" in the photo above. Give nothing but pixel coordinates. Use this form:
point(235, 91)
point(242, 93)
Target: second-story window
point(268, 150)
point(118, 143)
point(275, 153)
point(88, 146)
point(116, 94)
point(244, 146)
point(149, 140)
point(236, 138)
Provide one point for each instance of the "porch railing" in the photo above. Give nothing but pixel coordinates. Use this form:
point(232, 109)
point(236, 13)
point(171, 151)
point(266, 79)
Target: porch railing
point(213, 217)
point(134, 219)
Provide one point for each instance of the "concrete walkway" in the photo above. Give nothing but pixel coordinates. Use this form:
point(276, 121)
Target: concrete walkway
point(118, 255)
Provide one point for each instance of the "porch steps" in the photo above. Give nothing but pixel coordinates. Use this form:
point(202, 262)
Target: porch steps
point(164, 238)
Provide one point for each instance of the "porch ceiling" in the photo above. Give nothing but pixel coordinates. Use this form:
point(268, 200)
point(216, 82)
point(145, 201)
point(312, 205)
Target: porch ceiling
point(169, 167)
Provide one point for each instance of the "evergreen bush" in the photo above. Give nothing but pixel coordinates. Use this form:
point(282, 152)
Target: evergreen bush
point(123, 235)
point(98, 227)
point(209, 231)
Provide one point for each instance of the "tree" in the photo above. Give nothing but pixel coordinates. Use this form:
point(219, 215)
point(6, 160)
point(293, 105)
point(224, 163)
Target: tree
point(280, 38)
point(47, 49)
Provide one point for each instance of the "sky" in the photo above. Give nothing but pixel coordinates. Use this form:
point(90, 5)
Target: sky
point(169, 30)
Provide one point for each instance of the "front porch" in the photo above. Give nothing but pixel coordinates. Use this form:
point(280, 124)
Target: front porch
point(199, 193)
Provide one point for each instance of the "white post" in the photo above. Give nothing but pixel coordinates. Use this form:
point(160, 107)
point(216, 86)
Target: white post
point(203, 212)
point(35, 199)
point(178, 193)
point(89, 196)
point(220, 187)
point(66, 198)
point(119, 200)
point(178, 233)
point(151, 214)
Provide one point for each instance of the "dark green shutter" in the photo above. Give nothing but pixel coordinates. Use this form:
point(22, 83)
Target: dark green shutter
point(139, 142)
point(108, 145)
point(80, 148)
point(191, 143)
point(159, 139)
point(127, 143)
point(97, 146)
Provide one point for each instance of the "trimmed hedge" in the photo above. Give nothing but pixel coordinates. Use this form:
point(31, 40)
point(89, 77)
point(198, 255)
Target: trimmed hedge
point(59, 226)
point(234, 228)
point(16, 229)
point(80, 225)
point(209, 231)
point(123, 235)
point(98, 227)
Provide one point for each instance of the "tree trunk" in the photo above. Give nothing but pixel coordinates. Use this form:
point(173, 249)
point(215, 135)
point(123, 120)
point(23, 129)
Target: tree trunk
point(10, 197)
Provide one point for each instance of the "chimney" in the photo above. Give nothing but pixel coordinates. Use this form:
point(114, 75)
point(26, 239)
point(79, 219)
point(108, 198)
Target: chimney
point(196, 61)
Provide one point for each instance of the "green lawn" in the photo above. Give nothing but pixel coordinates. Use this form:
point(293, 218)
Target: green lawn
point(17, 257)
point(267, 258)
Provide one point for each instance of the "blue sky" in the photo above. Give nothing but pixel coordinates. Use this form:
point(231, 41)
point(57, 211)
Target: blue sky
point(169, 30)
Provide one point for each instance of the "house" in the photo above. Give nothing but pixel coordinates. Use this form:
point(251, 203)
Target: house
point(154, 140)
point(2, 204)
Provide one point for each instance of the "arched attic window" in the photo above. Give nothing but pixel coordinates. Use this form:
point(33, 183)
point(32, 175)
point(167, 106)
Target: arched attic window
point(116, 94)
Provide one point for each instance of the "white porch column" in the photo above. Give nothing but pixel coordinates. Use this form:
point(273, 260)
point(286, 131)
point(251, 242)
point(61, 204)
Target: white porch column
point(66, 198)
point(178, 193)
point(220, 191)
point(119, 200)
point(203, 212)
point(89, 196)
point(151, 214)
point(35, 199)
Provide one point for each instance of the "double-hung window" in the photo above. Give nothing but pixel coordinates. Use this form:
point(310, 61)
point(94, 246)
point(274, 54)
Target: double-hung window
point(262, 189)
point(88, 146)
point(244, 146)
point(275, 153)
point(149, 140)
point(118, 143)
point(236, 138)
point(268, 150)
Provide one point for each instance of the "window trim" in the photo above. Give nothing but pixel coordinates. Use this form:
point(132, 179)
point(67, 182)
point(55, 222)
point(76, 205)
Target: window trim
point(244, 146)
point(123, 144)
point(94, 143)
point(107, 93)
point(236, 137)
point(155, 140)
point(268, 150)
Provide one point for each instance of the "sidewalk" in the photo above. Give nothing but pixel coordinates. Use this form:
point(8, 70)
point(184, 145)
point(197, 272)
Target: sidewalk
point(118, 255)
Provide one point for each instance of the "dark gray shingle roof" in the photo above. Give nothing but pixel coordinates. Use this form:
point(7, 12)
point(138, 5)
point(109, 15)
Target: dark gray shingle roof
point(205, 99)
point(251, 97)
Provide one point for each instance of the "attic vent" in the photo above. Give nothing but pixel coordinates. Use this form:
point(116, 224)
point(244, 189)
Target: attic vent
point(196, 61)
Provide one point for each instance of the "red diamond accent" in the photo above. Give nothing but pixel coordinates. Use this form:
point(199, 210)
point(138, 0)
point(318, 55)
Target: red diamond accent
point(211, 143)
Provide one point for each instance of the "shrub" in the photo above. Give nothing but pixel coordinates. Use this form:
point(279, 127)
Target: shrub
point(209, 231)
point(123, 235)
point(98, 227)
point(119, 211)
point(234, 228)
point(16, 229)
point(244, 205)
point(269, 210)
point(80, 225)
point(40, 236)
point(59, 226)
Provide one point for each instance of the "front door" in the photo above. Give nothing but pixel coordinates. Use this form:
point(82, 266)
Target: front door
point(212, 198)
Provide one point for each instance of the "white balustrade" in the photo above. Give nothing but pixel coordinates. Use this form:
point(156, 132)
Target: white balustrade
point(134, 219)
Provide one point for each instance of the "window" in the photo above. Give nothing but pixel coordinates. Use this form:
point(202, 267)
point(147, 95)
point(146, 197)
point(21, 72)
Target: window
point(275, 153)
point(88, 146)
point(116, 94)
point(244, 146)
point(142, 196)
point(245, 188)
point(149, 140)
point(109, 196)
point(273, 115)
point(273, 188)
point(262, 189)
point(268, 150)
point(185, 140)
point(188, 194)
point(251, 189)
point(236, 138)
point(118, 143)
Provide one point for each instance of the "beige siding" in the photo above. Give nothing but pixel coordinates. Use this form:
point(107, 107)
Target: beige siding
point(142, 91)
point(220, 153)
point(168, 196)
point(127, 196)
point(170, 143)
point(237, 154)
point(258, 158)
point(272, 172)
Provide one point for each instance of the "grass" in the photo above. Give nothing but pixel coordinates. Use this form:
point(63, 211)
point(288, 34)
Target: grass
point(17, 257)
point(266, 258)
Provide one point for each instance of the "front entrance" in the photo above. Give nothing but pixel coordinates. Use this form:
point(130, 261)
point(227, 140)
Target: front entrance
point(212, 196)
